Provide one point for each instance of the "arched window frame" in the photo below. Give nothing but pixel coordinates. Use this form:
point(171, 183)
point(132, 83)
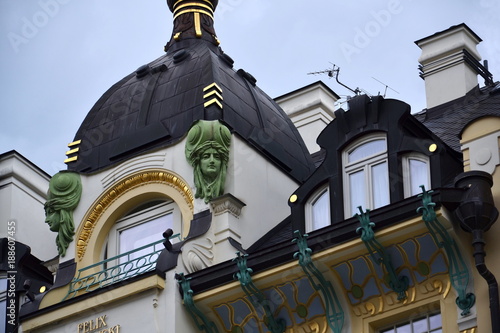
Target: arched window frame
point(321, 194)
point(364, 164)
point(411, 189)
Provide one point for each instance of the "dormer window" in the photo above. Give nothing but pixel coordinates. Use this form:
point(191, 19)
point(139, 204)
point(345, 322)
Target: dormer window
point(366, 174)
point(416, 172)
point(318, 210)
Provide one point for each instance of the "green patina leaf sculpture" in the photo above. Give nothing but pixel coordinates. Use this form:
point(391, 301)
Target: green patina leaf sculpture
point(207, 150)
point(65, 190)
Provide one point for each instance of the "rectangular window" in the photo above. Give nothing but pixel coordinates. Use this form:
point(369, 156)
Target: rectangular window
point(357, 190)
point(418, 176)
point(144, 225)
point(380, 182)
point(426, 324)
point(143, 234)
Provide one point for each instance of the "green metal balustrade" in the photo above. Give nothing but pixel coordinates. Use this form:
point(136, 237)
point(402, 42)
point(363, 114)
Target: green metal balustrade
point(116, 269)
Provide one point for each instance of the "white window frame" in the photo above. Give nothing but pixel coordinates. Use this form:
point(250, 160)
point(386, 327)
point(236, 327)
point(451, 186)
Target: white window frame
point(141, 217)
point(365, 164)
point(310, 208)
point(407, 176)
point(393, 327)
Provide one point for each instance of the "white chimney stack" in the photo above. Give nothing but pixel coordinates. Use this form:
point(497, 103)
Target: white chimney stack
point(449, 64)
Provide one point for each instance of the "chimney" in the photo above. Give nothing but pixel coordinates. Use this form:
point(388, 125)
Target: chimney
point(311, 109)
point(449, 64)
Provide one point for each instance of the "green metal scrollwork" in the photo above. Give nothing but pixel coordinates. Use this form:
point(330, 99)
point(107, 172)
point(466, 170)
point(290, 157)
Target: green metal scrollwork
point(459, 273)
point(255, 295)
point(379, 254)
point(334, 312)
point(199, 318)
point(116, 269)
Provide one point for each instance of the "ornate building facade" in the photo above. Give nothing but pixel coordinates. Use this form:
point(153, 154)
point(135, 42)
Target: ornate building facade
point(194, 202)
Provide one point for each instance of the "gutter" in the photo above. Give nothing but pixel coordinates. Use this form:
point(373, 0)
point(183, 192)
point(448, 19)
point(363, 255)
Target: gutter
point(477, 213)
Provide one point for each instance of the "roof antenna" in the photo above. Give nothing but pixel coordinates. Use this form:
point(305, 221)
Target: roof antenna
point(386, 87)
point(334, 71)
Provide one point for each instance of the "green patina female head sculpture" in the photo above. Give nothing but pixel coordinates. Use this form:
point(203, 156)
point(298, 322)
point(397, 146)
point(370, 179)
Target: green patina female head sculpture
point(207, 150)
point(65, 190)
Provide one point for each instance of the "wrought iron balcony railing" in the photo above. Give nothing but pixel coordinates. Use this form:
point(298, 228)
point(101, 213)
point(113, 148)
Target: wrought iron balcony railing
point(116, 269)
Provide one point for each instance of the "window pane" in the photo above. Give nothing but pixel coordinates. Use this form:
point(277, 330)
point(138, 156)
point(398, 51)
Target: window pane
point(143, 234)
point(420, 326)
point(404, 329)
point(3, 284)
point(435, 321)
point(357, 191)
point(321, 211)
point(418, 176)
point(367, 149)
point(3, 309)
point(380, 185)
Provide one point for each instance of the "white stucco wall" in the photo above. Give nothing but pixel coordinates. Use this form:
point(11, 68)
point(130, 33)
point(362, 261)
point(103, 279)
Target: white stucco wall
point(23, 192)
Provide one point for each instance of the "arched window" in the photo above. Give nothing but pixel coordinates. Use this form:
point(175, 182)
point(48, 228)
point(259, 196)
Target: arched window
point(366, 174)
point(318, 210)
point(416, 172)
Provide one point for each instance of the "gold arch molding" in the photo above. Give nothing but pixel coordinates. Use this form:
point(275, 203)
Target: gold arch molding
point(120, 188)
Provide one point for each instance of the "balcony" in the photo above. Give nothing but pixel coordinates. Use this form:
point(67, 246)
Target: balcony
point(116, 269)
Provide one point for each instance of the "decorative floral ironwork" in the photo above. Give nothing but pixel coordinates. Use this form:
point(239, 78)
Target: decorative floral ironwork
point(379, 254)
point(459, 273)
point(296, 301)
point(256, 296)
point(199, 318)
point(334, 312)
point(115, 269)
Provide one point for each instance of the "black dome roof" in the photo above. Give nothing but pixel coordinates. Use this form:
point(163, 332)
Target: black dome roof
point(156, 105)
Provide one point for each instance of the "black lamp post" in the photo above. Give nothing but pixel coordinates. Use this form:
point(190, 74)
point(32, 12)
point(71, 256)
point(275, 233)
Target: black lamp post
point(477, 213)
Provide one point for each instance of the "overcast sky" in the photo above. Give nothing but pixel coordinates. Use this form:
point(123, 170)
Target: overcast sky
point(59, 56)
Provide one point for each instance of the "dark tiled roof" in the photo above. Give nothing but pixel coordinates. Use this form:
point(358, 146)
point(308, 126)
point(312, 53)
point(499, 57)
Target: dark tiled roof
point(448, 120)
point(155, 107)
point(318, 157)
point(280, 233)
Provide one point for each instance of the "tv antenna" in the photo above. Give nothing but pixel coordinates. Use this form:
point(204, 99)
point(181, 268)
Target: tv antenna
point(334, 72)
point(386, 87)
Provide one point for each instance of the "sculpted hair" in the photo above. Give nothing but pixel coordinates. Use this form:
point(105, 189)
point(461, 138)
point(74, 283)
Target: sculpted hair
point(65, 190)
